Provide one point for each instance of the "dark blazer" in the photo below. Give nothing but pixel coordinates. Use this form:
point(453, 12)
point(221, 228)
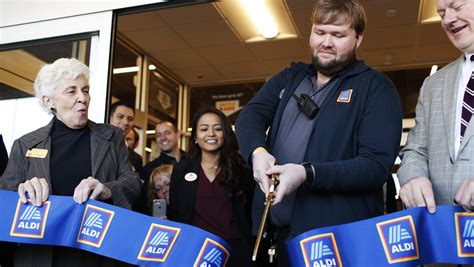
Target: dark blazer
point(3, 155)
point(352, 146)
point(7, 249)
point(136, 160)
point(109, 165)
point(183, 195)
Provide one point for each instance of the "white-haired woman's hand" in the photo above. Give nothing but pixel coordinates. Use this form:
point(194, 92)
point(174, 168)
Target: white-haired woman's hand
point(37, 189)
point(91, 188)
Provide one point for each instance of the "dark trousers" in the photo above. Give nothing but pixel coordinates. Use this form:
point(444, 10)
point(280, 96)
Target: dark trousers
point(241, 253)
point(7, 252)
point(274, 236)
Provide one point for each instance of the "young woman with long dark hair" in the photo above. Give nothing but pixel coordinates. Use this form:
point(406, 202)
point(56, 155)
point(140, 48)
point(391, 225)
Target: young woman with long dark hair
point(212, 188)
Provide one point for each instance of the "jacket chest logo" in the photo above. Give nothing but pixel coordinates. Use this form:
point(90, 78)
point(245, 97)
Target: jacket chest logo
point(345, 96)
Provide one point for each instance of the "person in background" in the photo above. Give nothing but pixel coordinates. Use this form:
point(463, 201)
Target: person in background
point(71, 156)
point(122, 115)
point(436, 167)
point(7, 249)
point(167, 137)
point(334, 129)
point(132, 142)
point(3, 155)
point(212, 188)
point(132, 139)
point(159, 185)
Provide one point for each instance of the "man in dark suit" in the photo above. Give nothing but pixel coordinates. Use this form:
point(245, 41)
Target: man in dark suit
point(122, 115)
point(8, 249)
point(3, 156)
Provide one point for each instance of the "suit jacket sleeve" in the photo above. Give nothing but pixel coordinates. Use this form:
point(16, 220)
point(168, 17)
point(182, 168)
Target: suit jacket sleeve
point(16, 170)
point(126, 186)
point(415, 154)
point(3, 156)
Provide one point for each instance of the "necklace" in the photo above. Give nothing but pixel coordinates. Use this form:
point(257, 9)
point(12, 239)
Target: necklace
point(209, 167)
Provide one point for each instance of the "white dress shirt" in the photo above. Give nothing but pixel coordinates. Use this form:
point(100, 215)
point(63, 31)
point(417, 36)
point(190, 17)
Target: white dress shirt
point(466, 70)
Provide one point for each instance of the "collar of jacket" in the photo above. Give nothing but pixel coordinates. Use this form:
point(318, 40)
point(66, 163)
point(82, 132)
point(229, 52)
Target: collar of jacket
point(355, 68)
point(44, 132)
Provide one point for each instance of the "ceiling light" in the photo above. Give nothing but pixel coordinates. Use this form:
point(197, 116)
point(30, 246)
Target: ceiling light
point(125, 70)
point(390, 13)
point(428, 12)
point(147, 149)
point(158, 75)
point(132, 69)
point(150, 131)
point(261, 17)
point(434, 68)
point(387, 58)
point(237, 14)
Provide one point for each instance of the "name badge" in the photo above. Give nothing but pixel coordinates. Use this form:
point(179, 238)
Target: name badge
point(37, 153)
point(190, 176)
point(345, 96)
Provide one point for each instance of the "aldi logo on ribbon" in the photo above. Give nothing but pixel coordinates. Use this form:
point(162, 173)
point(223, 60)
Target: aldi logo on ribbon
point(320, 250)
point(30, 221)
point(464, 222)
point(212, 254)
point(399, 240)
point(94, 226)
point(158, 242)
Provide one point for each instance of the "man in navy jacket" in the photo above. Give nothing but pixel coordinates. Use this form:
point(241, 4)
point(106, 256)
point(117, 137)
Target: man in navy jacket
point(331, 163)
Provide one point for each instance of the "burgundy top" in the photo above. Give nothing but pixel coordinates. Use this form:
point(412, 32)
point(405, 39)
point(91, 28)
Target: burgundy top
point(213, 209)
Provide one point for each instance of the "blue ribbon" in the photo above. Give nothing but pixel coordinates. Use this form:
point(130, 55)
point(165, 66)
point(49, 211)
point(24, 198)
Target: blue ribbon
point(109, 231)
point(406, 238)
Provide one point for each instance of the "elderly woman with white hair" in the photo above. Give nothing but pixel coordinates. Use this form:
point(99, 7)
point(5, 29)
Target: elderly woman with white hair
point(71, 156)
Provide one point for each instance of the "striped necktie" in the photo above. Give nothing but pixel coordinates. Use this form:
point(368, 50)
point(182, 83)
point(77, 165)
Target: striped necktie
point(467, 103)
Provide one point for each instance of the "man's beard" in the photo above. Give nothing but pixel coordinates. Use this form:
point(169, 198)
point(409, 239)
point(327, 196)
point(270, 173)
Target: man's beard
point(167, 151)
point(334, 66)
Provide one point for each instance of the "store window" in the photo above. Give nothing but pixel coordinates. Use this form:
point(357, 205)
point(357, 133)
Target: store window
point(162, 101)
point(20, 66)
point(162, 97)
point(127, 64)
point(142, 82)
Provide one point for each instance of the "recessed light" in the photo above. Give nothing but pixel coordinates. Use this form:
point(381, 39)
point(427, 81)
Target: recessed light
point(390, 13)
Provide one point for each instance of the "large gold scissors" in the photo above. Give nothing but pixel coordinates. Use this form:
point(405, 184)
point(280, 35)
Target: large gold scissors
point(268, 203)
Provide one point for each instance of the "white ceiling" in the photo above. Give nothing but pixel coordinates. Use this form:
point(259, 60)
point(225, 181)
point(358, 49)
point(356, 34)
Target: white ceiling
point(199, 44)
